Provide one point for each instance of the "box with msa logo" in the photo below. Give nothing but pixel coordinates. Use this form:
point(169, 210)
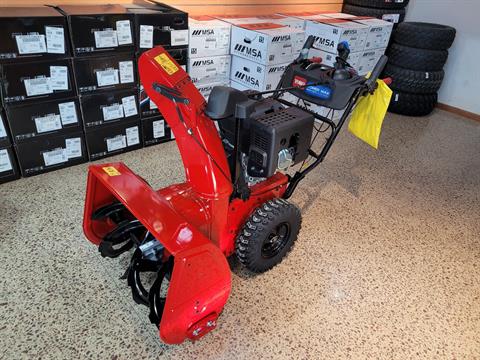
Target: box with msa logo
point(272, 18)
point(208, 37)
point(209, 69)
point(206, 89)
point(330, 32)
point(155, 130)
point(266, 43)
point(52, 152)
point(379, 32)
point(111, 139)
point(256, 76)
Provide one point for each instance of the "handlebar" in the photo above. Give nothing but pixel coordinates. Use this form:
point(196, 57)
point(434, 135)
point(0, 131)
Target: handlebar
point(372, 80)
point(306, 47)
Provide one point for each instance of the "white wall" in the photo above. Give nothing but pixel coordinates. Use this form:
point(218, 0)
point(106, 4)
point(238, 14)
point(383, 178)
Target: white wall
point(461, 87)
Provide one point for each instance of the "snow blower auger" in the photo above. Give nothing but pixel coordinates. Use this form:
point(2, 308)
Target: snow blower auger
point(234, 199)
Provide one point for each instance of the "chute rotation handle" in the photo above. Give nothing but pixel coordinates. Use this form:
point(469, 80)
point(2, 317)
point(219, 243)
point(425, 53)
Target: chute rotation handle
point(372, 80)
point(306, 47)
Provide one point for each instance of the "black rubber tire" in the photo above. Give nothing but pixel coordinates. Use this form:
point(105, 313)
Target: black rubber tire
point(424, 35)
point(383, 14)
point(380, 4)
point(417, 82)
point(416, 59)
point(412, 104)
point(255, 235)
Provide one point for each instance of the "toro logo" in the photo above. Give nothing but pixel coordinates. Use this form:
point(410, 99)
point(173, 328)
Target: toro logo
point(325, 42)
point(203, 32)
point(276, 69)
point(281, 38)
point(299, 81)
point(247, 79)
point(248, 51)
point(202, 62)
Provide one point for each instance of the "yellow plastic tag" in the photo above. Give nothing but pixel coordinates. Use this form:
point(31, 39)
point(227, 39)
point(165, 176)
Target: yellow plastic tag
point(167, 64)
point(111, 171)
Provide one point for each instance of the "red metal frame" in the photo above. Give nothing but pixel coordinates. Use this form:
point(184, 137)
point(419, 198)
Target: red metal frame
point(195, 221)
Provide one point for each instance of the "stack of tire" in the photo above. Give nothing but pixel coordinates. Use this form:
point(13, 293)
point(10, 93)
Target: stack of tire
point(388, 10)
point(416, 58)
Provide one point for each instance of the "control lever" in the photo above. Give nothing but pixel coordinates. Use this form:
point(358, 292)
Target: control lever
point(372, 80)
point(341, 73)
point(306, 47)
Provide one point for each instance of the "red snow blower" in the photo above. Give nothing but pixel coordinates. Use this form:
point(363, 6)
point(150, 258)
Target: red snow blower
point(234, 199)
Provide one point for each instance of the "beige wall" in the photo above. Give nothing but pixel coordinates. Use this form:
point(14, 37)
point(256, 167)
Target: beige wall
point(205, 7)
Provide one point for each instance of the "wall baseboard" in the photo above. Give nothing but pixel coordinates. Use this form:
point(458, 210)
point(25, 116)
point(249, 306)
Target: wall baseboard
point(458, 111)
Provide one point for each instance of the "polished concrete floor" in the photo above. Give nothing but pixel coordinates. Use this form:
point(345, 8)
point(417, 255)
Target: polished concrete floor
point(386, 266)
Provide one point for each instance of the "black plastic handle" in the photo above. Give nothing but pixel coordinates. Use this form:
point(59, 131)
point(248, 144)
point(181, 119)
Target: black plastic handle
point(372, 80)
point(306, 46)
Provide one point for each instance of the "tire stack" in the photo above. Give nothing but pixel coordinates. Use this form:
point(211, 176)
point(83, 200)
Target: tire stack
point(388, 10)
point(416, 59)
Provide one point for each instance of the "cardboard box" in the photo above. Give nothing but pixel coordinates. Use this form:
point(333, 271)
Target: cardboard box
point(208, 37)
point(330, 32)
point(256, 76)
point(158, 24)
point(32, 33)
point(329, 58)
point(37, 81)
point(206, 89)
point(8, 165)
point(113, 72)
point(109, 107)
point(4, 133)
point(155, 130)
point(239, 86)
point(368, 60)
point(40, 119)
point(149, 108)
point(209, 69)
point(96, 29)
point(49, 153)
point(339, 15)
point(289, 21)
point(266, 43)
point(112, 139)
point(379, 31)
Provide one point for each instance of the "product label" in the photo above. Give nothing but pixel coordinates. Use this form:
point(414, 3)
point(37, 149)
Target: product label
point(54, 157)
point(394, 18)
point(73, 147)
point(167, 64)
point(126, 71)
point(38, 86)
point(55, 39)
point(5, 164)
point(152, 105)
point(111, 171)
point(68, 113)
point(59, 77)
point(3, 132)
point(31, 44)
point(112, 112)
point(116, 143)
point(106, 38)
point(129, 106)
point(124, 32)
point(158, 129)
point(107, 77)
point(48, 123)
point(179, 37)
point(133, 137)
point(146, 36)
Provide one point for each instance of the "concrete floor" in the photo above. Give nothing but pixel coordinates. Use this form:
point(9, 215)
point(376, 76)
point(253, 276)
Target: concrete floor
point(386, 265)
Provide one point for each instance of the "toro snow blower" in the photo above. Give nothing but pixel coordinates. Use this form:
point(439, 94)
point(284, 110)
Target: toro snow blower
point(234, 199)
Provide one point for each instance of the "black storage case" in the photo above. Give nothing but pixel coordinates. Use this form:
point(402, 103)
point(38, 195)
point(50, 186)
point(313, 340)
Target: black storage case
point(109, 107)
point(149, 109)
point(8, 165)
point(94, 74)
point(91, 28)
point(32, 120)
point(113, 139)
point(49, 153)
point(36, 76)
point(155, 130)
point(158, 24)
point(31, 33)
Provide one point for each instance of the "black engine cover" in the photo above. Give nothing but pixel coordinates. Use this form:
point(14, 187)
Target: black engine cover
point(270, 133)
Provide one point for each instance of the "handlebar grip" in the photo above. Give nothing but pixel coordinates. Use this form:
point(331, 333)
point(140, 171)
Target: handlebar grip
point(306, 46)
point(372, 80)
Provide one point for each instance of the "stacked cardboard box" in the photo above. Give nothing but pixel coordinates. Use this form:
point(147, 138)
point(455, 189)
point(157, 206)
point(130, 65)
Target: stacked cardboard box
point(158, 24)
point(209, 53)
point(38, 91)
